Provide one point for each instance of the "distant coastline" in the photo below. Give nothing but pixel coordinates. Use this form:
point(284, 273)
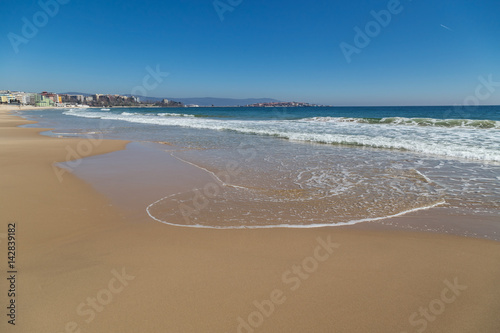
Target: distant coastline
point(76, 99)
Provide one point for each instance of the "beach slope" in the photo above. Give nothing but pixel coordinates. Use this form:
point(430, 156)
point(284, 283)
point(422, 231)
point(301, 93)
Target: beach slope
point(82, 266)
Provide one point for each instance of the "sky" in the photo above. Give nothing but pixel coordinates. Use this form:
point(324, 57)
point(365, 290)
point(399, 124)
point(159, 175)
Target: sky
point(356, 52)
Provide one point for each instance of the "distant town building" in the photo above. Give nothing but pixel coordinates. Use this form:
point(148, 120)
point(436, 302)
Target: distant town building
point(6, 98)
point(55, 98)
point(282, 104)
point(43, 100)
point(17, 97)
point(77, 98)
point(26, 98)
point(50, 99)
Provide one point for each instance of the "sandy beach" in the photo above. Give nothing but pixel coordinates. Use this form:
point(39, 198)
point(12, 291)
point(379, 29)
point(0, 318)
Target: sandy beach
point(83, 265)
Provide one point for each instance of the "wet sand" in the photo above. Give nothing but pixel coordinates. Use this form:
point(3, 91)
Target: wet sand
point(84, 265)
point(154, 182)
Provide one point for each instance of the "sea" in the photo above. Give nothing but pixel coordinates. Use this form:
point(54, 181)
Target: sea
point(310, 166)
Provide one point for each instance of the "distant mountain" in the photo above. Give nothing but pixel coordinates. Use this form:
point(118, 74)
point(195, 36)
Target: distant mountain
point(201, 101)
point(209, 101)
point(74, 93)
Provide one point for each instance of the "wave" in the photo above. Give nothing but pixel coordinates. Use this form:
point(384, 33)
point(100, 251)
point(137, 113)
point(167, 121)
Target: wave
point(463, 139)
point(291, 226)
point(418, 145)
point(463, 123)
point(164, 114)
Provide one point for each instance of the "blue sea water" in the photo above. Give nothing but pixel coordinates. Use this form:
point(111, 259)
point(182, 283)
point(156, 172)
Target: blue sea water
point(289, 113)
point(456, 132)
point(314, 165)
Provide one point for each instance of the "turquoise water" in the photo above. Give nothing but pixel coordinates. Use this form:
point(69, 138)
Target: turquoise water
point(312, 166)
point(283, 113)
point(424, 130)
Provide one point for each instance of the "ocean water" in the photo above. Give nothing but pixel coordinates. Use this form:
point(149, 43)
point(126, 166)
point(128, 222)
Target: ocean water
point(305, 167)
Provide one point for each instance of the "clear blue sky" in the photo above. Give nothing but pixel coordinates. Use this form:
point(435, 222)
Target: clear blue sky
point(432, 52)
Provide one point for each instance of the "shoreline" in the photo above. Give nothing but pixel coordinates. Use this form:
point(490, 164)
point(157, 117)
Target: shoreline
point(76, 245)
point(482, 228)
point(439, 219)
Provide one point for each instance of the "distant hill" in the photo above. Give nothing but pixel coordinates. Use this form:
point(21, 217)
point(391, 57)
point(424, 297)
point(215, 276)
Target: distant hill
point(74, 93)
point(209, 101)
point(201, 101)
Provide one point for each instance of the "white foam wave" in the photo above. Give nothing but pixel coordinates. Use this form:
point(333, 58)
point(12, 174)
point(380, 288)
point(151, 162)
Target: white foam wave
point(454, 142)
point(292, 226)
point(463, 123)
point(166, 114)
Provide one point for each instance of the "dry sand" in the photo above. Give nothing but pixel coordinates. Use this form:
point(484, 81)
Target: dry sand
point(83, 267)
